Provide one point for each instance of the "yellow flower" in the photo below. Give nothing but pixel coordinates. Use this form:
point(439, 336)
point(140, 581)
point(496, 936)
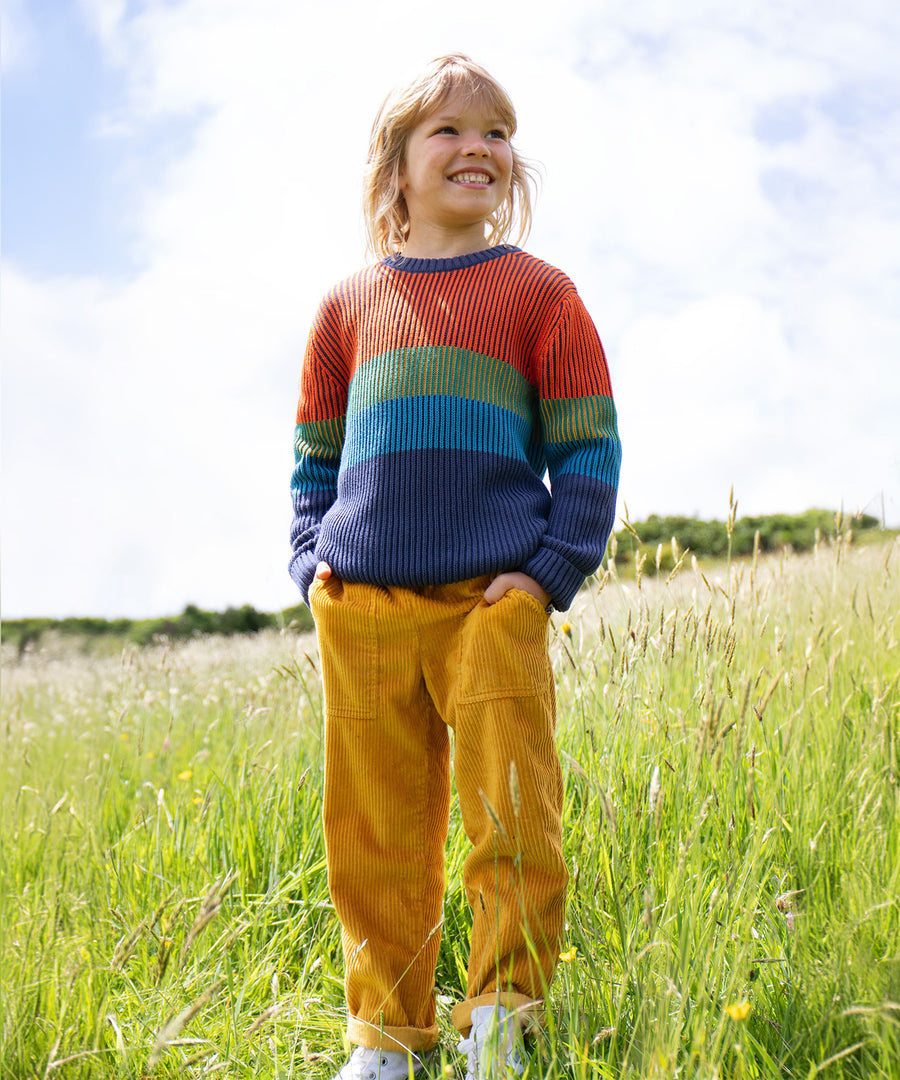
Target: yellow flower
point(186, 775)
point(740, 1011)
point(569, 956)
point(124, 736)
point(566, 629)
point(197, 800)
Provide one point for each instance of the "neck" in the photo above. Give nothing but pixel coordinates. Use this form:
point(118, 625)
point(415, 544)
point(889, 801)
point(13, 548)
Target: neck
point(433, 242)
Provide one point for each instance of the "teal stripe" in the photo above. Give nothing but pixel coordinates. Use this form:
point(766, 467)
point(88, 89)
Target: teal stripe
point(313, 474)
point(449, 423)
point(600, 459)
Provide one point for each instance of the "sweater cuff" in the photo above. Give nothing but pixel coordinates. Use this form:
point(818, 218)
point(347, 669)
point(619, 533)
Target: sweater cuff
point(556, 575)
point(303, 570)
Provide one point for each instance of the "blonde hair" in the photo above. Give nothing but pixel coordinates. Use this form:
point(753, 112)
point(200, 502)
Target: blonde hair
point(384, 207)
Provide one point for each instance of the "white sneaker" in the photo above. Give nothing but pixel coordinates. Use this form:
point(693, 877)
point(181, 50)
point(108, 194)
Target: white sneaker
point(490, 1045)
point(366, 1064)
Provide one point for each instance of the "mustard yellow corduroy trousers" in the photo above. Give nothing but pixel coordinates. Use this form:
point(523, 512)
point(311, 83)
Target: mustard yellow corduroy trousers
point(400, 667)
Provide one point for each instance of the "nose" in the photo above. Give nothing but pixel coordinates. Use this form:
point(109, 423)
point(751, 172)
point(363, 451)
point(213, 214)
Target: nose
point(476, 146)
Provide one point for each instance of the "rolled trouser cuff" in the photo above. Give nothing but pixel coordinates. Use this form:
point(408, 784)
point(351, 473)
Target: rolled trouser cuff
point(523, 1009)
point(375, 1037)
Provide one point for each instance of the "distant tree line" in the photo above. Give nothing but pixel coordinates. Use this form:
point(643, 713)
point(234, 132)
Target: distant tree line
point(710, 539)
point(652, 537)
point(192, 622)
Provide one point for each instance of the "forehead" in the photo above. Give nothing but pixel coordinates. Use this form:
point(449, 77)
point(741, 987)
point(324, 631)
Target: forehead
point(479, 101)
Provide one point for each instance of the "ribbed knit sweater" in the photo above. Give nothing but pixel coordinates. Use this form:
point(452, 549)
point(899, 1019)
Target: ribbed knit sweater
point(435, 396)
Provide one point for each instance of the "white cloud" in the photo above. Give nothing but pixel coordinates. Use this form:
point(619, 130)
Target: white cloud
point(701, 394)
point(748, 324)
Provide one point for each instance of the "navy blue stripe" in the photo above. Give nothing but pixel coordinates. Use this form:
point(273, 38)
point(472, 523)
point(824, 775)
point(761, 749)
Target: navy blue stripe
point(433, 516)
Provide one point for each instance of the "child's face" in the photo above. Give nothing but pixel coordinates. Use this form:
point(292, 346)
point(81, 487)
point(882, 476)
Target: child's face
point(457, 168)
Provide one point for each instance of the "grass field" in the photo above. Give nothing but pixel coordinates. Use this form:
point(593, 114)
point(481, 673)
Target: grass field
point(732, 757)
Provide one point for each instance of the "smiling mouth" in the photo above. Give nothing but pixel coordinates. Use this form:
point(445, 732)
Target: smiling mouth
point(472, 178)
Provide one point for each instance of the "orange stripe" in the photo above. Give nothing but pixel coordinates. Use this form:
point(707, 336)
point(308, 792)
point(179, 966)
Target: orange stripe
point(513, 308)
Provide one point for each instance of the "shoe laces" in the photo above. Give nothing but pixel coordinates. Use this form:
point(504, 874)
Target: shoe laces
point(366, 1064)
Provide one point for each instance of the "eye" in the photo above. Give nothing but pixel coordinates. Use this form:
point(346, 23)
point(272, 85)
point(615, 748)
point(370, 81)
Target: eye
point(497, 133)
point(447, 129)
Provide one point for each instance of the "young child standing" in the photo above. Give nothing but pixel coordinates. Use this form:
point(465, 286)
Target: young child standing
point(439, 386)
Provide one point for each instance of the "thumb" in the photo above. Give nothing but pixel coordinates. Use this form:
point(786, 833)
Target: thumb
point(495, 590)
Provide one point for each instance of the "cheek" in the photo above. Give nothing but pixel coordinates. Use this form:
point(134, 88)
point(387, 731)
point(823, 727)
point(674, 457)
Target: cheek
point(506, 182)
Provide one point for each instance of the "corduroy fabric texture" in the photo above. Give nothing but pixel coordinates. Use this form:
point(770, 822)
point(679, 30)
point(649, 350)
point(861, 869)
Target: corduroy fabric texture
point(435, 396)
point(401, 666)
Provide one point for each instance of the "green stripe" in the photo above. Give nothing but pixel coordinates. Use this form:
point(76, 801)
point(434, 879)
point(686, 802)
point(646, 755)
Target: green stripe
point(320, 438)
point(441, 371)
point(575, 419)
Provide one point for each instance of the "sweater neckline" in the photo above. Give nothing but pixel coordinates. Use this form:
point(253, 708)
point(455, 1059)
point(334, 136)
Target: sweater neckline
point(457, 262)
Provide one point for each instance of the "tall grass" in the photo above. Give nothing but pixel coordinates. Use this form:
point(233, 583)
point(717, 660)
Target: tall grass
point(730, 744)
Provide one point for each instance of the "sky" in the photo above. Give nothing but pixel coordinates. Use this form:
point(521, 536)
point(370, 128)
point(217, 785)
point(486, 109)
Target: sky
point(181, 184)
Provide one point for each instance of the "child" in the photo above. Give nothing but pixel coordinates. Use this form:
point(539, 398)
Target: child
point(439, 385)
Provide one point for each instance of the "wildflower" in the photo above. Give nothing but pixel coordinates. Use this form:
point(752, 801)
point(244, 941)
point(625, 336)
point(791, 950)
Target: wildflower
point(785, 901)
point(568, 956)
point(566, 629)
point(738, 1011)
point(197, 800)
point(186, 775)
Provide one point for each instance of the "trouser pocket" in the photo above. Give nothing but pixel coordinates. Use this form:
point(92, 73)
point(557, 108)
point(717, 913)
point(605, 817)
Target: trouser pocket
point(345, 628)
point(503, 650)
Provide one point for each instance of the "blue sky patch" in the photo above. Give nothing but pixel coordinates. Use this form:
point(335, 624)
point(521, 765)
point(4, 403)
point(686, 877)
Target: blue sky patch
point(781, 121)
point(68, 199)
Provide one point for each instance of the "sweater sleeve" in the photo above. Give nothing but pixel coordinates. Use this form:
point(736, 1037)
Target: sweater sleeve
point(318, 437)
point(583, 453)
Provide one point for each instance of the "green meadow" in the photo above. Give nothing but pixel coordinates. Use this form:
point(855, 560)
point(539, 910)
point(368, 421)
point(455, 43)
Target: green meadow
point(730, 737)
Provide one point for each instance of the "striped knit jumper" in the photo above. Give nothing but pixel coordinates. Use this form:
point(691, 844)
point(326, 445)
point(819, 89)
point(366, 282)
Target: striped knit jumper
point(435, 395)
